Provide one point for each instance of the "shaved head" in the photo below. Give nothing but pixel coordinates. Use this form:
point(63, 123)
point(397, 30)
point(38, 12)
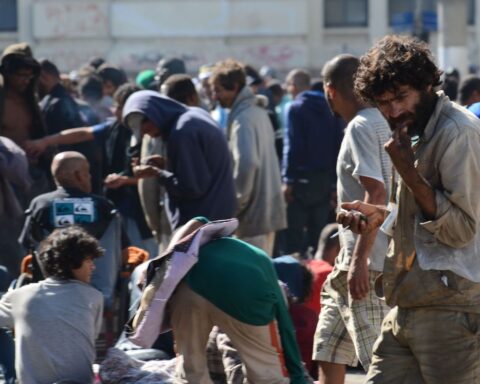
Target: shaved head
point(71, 169)
point(339, 72)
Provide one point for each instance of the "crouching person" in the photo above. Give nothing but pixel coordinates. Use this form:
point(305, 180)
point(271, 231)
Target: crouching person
point(57, 320)
point(233, 286)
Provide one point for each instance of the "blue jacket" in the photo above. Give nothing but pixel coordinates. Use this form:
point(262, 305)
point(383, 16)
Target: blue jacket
point(198, 179)
point(312, 137)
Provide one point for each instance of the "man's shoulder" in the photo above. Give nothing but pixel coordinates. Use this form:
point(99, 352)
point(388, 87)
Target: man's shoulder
point(47, 198)
point(368, 121)
point(455, 120)
point(251, 115)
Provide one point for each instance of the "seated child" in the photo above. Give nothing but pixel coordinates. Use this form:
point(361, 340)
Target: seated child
point(57, 320)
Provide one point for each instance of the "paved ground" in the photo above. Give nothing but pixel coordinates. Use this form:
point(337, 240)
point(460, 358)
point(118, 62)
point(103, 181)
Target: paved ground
point(355, 377)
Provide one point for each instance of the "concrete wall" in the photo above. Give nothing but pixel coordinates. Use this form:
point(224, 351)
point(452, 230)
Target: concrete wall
point(136, 34)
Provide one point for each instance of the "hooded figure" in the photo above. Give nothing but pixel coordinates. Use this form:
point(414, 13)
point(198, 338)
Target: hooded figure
point(198, 171)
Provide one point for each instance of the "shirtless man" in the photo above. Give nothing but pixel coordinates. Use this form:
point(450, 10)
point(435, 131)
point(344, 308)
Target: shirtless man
point(20, 117)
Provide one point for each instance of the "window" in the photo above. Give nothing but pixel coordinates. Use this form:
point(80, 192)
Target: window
point(399, 11)
point(8, 15)
point(346, 13)
point(471, 12)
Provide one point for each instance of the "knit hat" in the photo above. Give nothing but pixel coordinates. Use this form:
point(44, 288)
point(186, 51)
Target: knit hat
point(145, 78)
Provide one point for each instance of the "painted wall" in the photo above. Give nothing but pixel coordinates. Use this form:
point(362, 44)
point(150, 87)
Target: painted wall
point(136, 34)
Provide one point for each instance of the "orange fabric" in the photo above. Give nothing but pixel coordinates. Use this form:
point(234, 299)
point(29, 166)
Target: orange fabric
point(26, 263)
point(278, 347)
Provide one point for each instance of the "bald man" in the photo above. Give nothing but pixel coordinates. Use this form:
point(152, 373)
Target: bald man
point(71, 203)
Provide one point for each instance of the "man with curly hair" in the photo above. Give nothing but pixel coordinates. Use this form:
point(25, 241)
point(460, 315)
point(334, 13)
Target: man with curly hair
point(57, 320)
point(432, 270)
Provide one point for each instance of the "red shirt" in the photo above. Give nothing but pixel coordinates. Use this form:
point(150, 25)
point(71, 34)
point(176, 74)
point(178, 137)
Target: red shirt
point(320, 269)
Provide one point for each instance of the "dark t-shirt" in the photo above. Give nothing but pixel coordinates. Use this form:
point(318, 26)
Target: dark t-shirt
point(63, 207)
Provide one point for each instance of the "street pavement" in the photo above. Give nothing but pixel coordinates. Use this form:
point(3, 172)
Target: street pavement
point(355, 377)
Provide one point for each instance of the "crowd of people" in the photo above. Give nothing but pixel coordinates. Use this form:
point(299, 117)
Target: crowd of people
point(230, 183)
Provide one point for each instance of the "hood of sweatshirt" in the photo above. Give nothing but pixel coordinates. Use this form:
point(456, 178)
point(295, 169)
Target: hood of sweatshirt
point(311, 99)
point(161, 110)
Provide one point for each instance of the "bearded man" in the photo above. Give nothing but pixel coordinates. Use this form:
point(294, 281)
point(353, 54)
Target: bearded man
point(432, 271)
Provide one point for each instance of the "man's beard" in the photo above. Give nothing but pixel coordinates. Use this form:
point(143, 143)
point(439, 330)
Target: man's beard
point(417, 120)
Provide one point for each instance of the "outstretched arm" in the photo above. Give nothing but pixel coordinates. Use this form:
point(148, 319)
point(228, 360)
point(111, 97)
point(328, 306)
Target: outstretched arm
point(35, 148)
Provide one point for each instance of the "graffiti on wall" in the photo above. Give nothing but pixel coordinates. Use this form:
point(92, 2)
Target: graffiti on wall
point(60, 20)
point(280, 56)
point(69, 59)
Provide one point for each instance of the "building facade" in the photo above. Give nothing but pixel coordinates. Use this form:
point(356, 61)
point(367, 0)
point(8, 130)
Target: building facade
point(283, 34)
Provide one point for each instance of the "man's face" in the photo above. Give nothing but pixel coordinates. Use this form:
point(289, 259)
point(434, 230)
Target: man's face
point(406, 106)
point(291, 88)
point(108, 88)
point(332, 98)
point(224, 96)
point(147, 127)
point(118, 110)
point(20, 80)
point(84, 272)
point(43, 83)
point(207, 90)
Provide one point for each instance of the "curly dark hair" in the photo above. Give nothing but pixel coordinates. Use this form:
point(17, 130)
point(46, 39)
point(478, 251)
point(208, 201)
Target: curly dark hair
point(66, 249)
point(394, 61)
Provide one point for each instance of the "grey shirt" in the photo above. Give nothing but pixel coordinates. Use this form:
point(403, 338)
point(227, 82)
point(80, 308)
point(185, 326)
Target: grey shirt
point(362, 154)
point(56, 323)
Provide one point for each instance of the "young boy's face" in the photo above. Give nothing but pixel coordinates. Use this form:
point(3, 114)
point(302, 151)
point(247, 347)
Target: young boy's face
point(84, 273)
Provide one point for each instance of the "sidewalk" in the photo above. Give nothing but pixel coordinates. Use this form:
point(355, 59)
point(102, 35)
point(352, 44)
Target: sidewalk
point(355, 377)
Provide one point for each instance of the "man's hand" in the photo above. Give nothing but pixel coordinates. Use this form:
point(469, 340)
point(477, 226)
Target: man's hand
point(288, 193)
point(114, 181)
point(358, 279)
point(156, 161)
point(399, 148)
point(145, 171)
point(353, 216)
point(34, 148)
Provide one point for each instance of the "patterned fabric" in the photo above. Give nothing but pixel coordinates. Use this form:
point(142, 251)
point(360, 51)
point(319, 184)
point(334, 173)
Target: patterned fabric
point(118, 367)
point(223, 360)
point(347, 329)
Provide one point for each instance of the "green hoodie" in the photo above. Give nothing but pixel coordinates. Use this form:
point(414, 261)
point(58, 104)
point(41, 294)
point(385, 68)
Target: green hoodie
point(246, 288)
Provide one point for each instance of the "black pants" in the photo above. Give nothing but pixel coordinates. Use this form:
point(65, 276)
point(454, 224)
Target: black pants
point(308, 213)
